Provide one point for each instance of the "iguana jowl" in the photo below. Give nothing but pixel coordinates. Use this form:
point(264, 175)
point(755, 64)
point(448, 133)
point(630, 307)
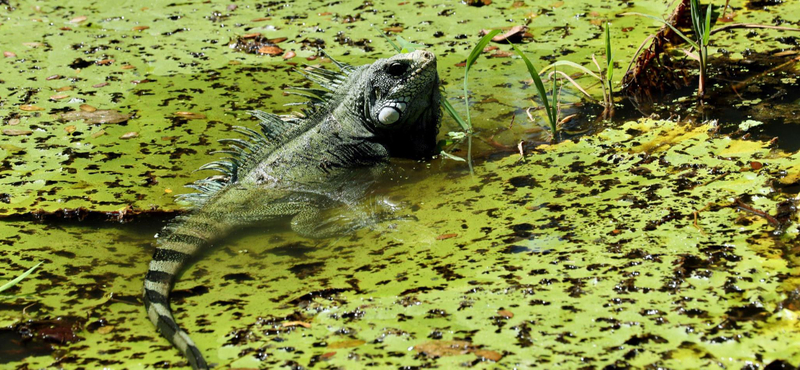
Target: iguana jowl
point(298, 166)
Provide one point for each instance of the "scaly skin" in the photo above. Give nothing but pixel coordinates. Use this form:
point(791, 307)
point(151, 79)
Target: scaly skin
point(300, 166)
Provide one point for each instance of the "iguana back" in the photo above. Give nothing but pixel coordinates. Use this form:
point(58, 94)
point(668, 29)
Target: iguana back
point(297, 166)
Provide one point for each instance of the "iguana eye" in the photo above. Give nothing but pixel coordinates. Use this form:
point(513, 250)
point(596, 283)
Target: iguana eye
point(396, 69)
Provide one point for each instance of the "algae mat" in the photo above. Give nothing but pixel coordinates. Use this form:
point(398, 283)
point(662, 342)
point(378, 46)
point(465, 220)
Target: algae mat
point(621, 250)
point(107, 106)
point(585, 255)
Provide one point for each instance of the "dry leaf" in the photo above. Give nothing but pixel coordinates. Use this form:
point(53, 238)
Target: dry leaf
point(87, 108)
point(270, 50)
point(346, 344)
point(16, 132)
point(78, 19)
point(64, 88)
point(190, 115)
point(129, 135)
point(505, 313)
point(444, 348)
point(70, 129)
point(140, 28)
point(296, 323)
point(289, 55)
point(99, 133)
point(96, 116)
point(59, 97)
point(30, 108)
point(105, 329)
point(446, 236)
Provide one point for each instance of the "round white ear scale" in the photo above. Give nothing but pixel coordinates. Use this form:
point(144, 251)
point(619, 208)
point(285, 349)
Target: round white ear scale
point(388, 115)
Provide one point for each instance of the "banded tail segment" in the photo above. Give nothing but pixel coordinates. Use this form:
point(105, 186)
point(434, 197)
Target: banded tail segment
point(174, 251)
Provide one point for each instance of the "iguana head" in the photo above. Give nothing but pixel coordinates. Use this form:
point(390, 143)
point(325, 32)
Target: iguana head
point(402, 103)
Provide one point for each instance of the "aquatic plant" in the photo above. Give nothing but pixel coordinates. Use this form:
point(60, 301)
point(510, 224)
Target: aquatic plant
point(16, 281)
point(701, 27)
point(605, 78)
point(551, 110)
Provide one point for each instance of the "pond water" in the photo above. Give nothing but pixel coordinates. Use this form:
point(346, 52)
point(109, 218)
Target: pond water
point(663, 242)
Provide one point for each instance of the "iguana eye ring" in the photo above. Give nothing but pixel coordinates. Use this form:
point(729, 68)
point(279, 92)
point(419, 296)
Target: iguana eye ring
point(396, 69)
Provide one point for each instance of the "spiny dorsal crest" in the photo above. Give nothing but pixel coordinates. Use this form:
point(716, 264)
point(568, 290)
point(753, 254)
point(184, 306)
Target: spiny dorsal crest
point(244, 153)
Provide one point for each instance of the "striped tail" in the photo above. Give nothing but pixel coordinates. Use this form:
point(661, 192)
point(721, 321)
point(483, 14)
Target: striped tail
point(174, 251)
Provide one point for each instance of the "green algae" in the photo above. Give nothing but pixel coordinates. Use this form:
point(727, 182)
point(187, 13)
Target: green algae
point(155, 60)
point(624, 249)
point(619, 249)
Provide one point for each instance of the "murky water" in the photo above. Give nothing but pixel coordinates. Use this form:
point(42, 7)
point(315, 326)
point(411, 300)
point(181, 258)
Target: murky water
point(647, 245)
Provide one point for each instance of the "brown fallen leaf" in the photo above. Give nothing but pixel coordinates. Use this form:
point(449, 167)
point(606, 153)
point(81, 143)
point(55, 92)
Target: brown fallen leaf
point(129, 135)
point(105, 329)
point(128, 66)
point(9, 54)
point(13, 122)
point(442, 348)
point(87, 108)
point(64, 88)
point(104, 62)
point(190, 115)
point(261, 19)
point(30, 108)
point(270, 50)
point(16, 132)
point(96, 116)
point(59, 97)
point(289, 55)
point(296, 323)
point(501, 54)
point(53, 77)
point(70, 129)
point(446, 236)
point(33, 44)
point(251, 35)
point(98, 133)
point(140, 28)
point(100, 84)
point(505, 313)
point(346, 344)
point(78, 19)
point(277, 40)
point(395, 29)
point(512, 33)
point(489, 355)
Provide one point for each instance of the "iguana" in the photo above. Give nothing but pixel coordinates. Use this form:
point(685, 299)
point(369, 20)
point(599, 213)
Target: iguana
point(301, 165)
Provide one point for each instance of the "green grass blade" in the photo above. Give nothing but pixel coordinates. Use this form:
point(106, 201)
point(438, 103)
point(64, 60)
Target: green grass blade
point(677, 31)
point(19, 278)
point(707, 28)
point(609, 57)
point(476, 51)
point(608, 44)
point(554, 107)
point(394, 46)
point(537, 81)
point(452, 112)
point(407, 46)
point(473, 56)
point(573, 65)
